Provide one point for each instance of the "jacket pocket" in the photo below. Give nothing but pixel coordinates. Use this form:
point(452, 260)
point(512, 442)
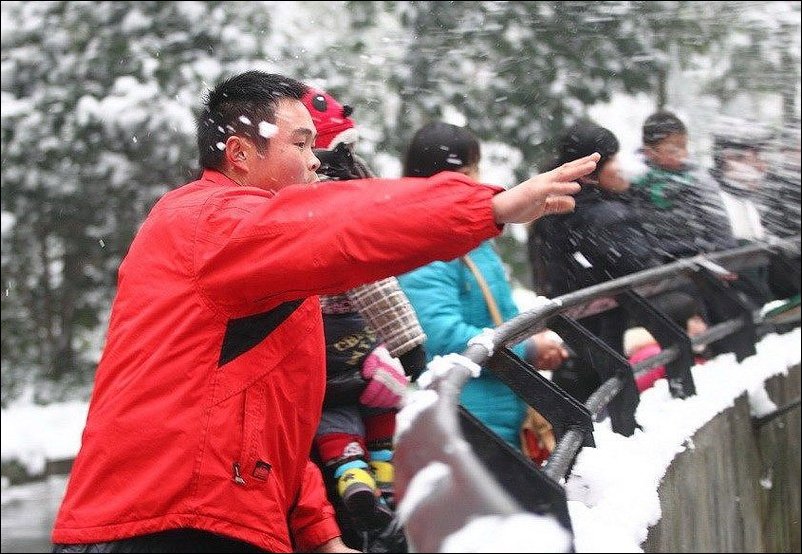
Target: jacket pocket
point(251, 468)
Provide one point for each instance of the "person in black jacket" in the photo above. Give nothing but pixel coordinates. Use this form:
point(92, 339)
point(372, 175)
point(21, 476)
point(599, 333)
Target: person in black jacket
point(601, 240)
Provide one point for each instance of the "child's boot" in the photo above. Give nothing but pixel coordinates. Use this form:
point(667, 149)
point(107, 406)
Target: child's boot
point(358, 491)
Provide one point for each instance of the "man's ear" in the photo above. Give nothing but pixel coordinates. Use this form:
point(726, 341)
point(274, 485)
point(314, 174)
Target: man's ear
point(236, 153)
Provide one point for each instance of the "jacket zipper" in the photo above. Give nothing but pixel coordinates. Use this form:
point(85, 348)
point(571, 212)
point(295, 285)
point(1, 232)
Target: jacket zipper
point(237, 477)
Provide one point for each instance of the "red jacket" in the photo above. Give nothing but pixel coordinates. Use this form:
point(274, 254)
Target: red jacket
point(210, 386)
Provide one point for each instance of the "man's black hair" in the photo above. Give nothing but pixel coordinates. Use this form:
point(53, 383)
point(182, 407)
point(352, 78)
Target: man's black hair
point(243, 105)
point(440, 146)
point(660, 125)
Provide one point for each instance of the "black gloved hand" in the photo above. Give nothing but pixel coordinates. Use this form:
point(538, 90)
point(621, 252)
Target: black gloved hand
point(337, 164)
point(414, 362)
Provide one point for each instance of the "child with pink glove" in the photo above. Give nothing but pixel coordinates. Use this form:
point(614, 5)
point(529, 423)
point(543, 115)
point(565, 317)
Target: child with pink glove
point(364, 329)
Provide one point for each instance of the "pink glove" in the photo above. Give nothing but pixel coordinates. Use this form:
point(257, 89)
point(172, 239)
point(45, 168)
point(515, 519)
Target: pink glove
point(386, 380)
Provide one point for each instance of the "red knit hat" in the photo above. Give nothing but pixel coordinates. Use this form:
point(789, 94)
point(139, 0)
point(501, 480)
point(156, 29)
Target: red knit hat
point(330, 118)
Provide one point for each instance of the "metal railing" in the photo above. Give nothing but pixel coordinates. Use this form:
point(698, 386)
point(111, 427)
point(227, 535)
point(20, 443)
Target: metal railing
point(469, 471)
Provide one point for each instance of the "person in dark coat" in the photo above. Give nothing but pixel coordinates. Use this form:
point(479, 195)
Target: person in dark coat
point(675, 207)
point(601, 240)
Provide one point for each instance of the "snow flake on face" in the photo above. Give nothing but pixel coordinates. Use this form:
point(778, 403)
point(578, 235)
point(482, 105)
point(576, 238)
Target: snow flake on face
point(267, 130)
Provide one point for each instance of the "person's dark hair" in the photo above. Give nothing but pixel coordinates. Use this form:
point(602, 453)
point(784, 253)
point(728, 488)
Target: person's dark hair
point(582, 139)
point(238, 106)
point(660, 125)
point(440, 146)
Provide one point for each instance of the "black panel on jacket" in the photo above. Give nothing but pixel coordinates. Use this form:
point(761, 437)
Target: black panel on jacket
point(244, 333)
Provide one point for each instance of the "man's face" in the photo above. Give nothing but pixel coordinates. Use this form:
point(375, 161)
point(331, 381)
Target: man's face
point(743, 167)
point(670, 153)
point(289, 159)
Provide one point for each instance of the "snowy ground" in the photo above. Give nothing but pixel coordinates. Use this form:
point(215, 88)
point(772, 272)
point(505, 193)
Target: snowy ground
point(613, 488)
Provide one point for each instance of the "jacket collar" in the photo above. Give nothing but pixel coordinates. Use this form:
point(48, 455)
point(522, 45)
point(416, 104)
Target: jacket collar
point(216, 177)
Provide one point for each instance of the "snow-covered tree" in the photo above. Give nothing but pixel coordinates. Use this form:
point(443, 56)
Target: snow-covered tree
point(98, 101)
point(97, 122)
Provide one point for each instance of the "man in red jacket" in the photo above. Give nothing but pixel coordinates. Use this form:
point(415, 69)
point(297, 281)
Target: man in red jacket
point(209, 390)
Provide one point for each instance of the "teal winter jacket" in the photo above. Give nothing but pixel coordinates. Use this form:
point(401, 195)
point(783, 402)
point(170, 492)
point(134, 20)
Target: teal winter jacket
point(452, 309)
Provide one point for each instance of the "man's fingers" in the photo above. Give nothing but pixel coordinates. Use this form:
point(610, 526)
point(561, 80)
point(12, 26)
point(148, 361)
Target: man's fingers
point(544, 194)
point(577, 168)
point(595, 157)
point(558, 191)
point(559, 188)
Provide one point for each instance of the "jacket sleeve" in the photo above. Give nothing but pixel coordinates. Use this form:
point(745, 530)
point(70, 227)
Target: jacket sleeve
point(387, 310)
point(312, 521)
point(254, 249)
point(716, 230)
